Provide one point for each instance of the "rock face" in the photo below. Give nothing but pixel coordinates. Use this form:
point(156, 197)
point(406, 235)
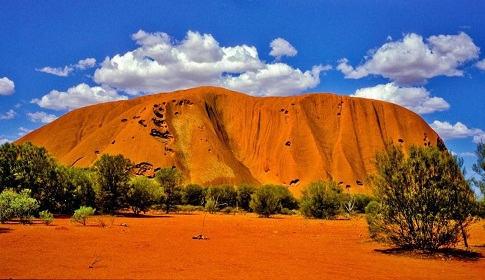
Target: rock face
point(219, 136)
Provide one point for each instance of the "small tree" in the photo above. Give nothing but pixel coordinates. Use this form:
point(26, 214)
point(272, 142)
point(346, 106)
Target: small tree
point(170, 179)
point(82, 215)
point(6, 210)
point(426, 203)
point(193, 194)
point(17, 205)
point(243, 197)
point(479, 168)
point(321, 200)
point(142, 194)
point(112, 175)
point(46, 217)
point(265, 201)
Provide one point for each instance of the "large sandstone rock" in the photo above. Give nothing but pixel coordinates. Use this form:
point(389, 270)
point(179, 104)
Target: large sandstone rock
point(219, 136)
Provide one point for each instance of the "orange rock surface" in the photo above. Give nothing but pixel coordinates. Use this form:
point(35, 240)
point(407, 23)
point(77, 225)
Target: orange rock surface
point(219, 136)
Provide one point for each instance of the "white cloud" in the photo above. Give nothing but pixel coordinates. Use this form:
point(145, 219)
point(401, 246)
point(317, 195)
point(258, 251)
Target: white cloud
point(9, 115)
point(58, 71)
point(7, 86)
point(162, 64)
point(481, 64)
point(413, 60)
point(85, 63)
point(280, 47)
point(457, 131)
point(416, 99)
point(4, 140)
point(23, 131)
point(78, 96)
point(42, 117)
point(66, 70)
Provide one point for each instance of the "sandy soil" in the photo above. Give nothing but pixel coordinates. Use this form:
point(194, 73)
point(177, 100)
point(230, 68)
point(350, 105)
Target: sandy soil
point(240, 247)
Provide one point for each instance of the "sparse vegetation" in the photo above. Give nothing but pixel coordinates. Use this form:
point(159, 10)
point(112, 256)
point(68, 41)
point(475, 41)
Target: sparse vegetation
point(19, 206)
point(112, 175)
point(142, 194)
point(479, 168)
point(171, 180)
point(243, 197)
point(321, 200)
point(426, 203)
point(46, 217)
point(265, 201)
point(82, 215)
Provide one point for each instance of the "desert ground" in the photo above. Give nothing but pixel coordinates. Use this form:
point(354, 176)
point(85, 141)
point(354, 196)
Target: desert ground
point(241, 246)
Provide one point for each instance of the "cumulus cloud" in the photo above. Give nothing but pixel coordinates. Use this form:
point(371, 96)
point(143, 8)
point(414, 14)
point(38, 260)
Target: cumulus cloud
point(413, 60)
point(458, 130)
point(280, 47)
point(9, 115)
point(42, 117)
point(7, 86)
point(416, 99)
point(481, 64)
point(4, 140)
point(163, 64)
point(66, 70)
point(78, 96)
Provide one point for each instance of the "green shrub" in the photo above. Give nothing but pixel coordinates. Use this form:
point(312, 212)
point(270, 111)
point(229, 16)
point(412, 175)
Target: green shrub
point(142, 194)
point(285, 197)
point(426, 203)
point(211, 205)
point(265, 201)
point(321, 200)
point(171, 180)
point(225, 195)
point(6, 211)
point(82, 214)
point(373, 217)
point(193, 194)
point(243, 196)
point(46, 217)
point(361, 201)
point(17, 205)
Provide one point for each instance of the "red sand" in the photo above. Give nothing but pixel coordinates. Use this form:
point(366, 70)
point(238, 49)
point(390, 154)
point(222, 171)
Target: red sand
point(240, 247)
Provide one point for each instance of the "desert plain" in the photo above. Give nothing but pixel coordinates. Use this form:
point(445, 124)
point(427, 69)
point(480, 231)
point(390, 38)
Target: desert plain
point(239, 246)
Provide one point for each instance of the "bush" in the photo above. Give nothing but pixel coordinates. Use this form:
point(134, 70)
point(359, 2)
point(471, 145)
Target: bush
point(46, 217)
point(6, 211)
point(361, 201)
point(426, 203)
point(170, 179)
point(112, 175)
point(265, 201)
point(17, 205)
point(211, 205)
point(142, 194)
point(224, 195)
point(243, 196)
point(82, 214)
point(193, 194)
point(321, 200)
point(285, 197)
point(373, 217)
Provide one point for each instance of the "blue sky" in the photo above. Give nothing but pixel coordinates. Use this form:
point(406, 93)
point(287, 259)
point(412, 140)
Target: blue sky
point(428, 56)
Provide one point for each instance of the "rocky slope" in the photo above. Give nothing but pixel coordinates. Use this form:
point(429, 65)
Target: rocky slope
point(219, 136)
